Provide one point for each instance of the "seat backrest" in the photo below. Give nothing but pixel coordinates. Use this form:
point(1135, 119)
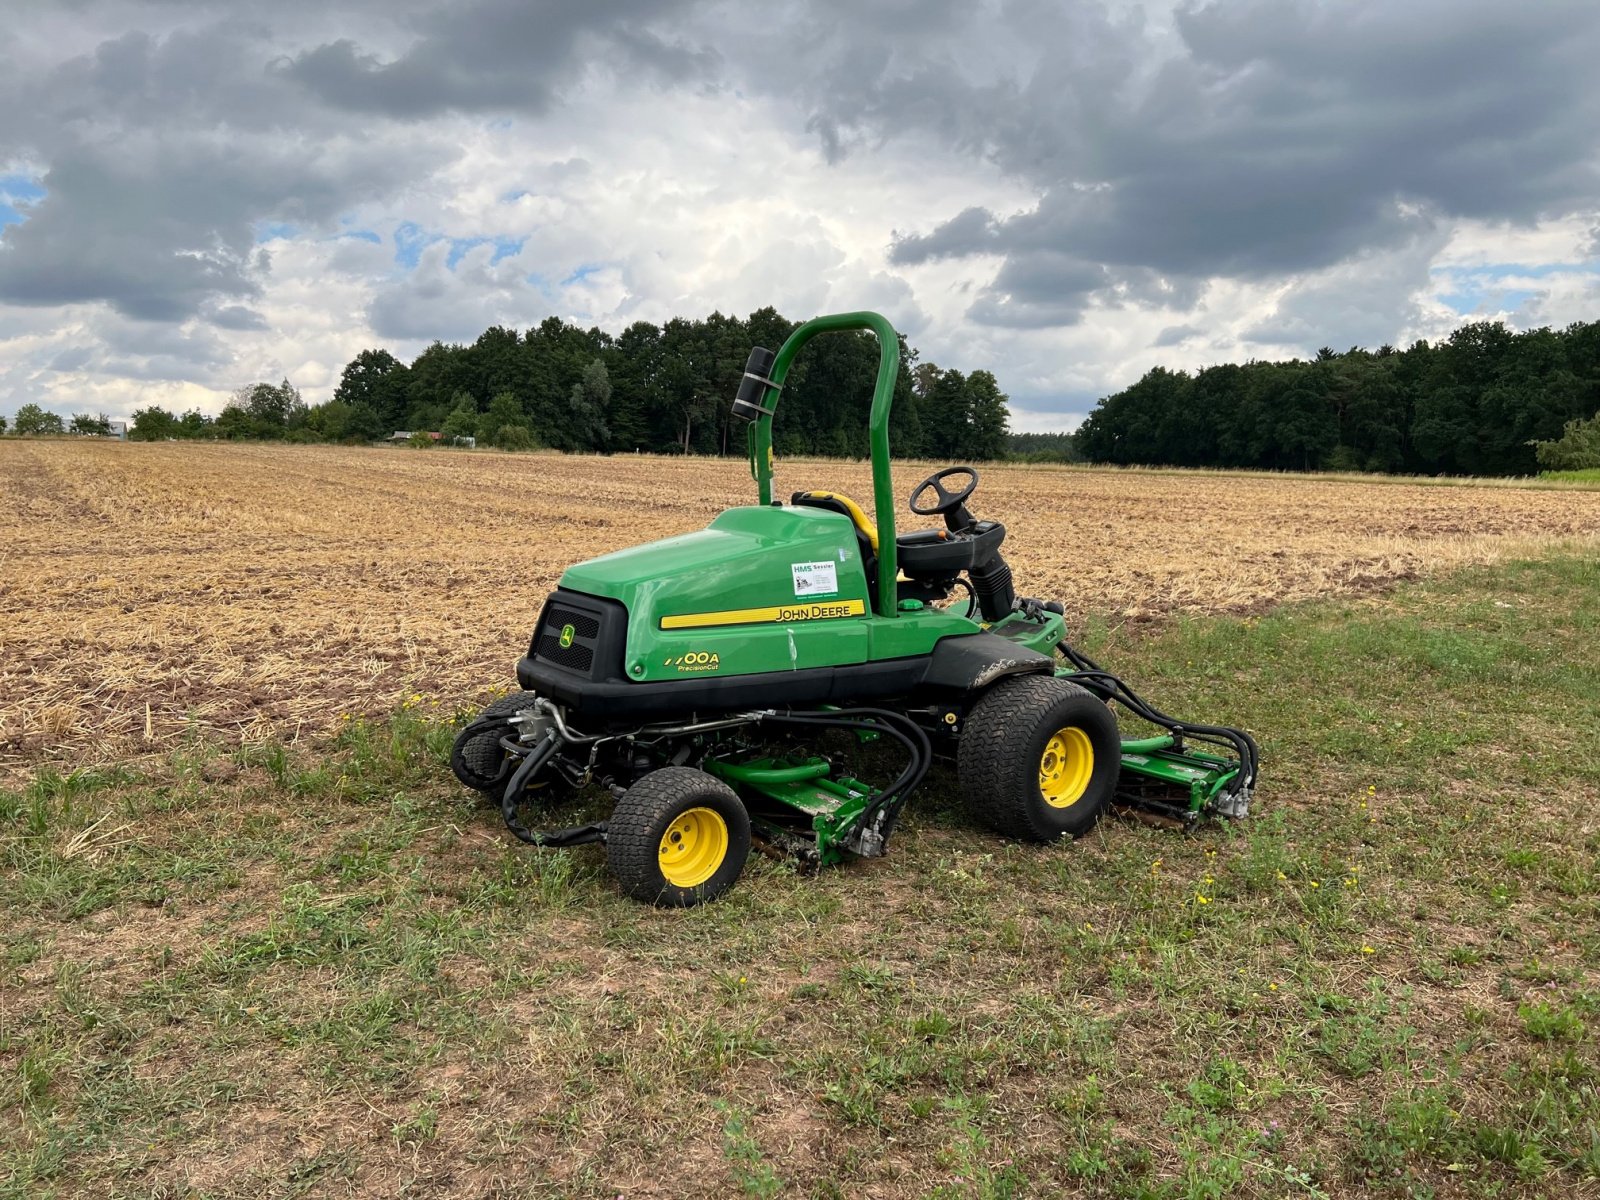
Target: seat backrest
point(841, 504)
point(866, 531)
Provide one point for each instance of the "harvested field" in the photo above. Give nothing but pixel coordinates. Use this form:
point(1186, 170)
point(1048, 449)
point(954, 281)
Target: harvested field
point(150, 590)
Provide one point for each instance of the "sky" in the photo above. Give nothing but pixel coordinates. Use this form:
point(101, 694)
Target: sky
point(196, 195)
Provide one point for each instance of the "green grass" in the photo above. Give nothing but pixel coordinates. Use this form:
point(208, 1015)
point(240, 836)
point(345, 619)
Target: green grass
point(1590, 475)
point(290, 972)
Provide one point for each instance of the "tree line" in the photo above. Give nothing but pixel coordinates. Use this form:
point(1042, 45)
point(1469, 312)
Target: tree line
point(33, 421)
point(1486, 401)
point(660, 389)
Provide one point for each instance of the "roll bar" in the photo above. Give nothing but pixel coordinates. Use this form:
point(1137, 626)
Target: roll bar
point(757, 401)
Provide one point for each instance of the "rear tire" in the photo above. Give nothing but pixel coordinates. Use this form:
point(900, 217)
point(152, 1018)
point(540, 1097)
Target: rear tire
point(678, 837)
point(1039, 758)
point(476, 758)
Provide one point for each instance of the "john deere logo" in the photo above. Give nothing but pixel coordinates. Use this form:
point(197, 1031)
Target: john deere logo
point(566, 636)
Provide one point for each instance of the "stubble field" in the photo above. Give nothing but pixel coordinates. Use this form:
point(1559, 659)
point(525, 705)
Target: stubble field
point(159, 591)
point(152, 592)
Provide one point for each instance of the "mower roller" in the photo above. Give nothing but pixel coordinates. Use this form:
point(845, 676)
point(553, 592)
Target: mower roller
point(704, 681)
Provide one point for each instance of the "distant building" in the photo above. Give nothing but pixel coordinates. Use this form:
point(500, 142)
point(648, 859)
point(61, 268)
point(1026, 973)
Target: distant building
point(117, 429)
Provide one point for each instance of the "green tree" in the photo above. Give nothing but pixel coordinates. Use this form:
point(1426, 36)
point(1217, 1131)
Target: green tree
point(636, 398)
point(1044, 447)
point(330, 422)
point(235, 423)
point(505, 411)
point(944, 415)
point(366, 424)
point(587, 404)
point(986, 431)
point(462, 421)
point(153, 424)
point(515, 435)
point(686, 381)
point(379, 380)
point(1577, 449)
point(89, 425)
point(33, 420)
point(274, 409)
point(2, 423)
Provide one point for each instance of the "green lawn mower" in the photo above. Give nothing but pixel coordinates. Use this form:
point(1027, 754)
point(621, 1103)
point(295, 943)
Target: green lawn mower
point(701, 680)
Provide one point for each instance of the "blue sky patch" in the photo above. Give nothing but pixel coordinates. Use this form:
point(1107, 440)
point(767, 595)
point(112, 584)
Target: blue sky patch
point(1478, 289)
point(270, 231)
point(504, 247)
point(583, 273)
point(410, 240)
point(18, 193)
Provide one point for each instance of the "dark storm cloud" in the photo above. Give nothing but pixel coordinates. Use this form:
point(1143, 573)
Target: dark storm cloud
point(156, 224)
point(971, 231)
point(162, 149)
point(159, 155)
point(498, 56)
point(237, 316)
point(1267, 139)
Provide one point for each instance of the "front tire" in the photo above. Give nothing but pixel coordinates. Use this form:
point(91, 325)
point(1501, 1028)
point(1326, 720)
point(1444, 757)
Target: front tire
point(677, 837)
point(1039, 758)
point(477, 757)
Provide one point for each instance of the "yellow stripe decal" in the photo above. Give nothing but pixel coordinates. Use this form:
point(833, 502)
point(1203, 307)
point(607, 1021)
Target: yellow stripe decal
point(825, 610)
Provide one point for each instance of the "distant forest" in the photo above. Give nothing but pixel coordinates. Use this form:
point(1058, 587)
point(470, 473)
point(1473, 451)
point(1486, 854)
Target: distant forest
point(664, 389)
point(1471, 405)
point(1486, 401)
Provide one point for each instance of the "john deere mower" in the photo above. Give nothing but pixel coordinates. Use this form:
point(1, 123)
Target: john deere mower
point(702, 680)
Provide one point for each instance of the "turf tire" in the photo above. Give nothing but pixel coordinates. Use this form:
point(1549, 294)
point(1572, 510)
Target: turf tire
point(1001, 746)
point(475, 757)
point(641, 820)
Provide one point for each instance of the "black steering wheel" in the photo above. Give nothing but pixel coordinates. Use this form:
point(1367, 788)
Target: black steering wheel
point(946, 500)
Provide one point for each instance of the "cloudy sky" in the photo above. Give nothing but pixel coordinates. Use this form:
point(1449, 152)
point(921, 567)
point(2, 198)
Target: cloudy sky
point(196, 194)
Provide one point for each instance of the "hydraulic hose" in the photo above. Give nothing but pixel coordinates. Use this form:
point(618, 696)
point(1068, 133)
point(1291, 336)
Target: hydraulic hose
point(1102, 682)
point(536, 758)
point(891, 799)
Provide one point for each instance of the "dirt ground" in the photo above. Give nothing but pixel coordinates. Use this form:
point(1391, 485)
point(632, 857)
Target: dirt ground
point(149, 592)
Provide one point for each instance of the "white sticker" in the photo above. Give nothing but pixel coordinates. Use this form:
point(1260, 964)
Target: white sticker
point(815, 578)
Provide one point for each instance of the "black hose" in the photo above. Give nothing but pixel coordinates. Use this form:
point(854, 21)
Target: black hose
point(1103, 683)
point(891, 799)
point(536, 758)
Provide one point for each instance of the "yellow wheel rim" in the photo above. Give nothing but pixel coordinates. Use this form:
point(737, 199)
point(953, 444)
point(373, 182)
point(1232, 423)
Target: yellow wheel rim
point(1066, 767)
point(693, 847)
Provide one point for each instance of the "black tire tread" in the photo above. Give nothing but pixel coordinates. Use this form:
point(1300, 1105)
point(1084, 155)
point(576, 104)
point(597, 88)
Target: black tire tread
point(476, 759)
point(996, 781)
point(633, 841)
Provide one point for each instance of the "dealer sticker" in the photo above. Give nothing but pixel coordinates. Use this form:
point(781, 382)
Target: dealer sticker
point(815, 578)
